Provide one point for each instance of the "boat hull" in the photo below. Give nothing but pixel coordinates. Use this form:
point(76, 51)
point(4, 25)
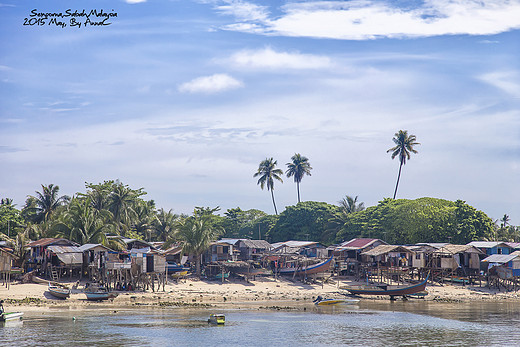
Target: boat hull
point(95, 296)
point(10, 316)
point(61, 293)
point(308, 270)
point(219, 319)
point(388, 290)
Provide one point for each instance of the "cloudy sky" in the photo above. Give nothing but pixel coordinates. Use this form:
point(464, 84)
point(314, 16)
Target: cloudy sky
point(185, 98)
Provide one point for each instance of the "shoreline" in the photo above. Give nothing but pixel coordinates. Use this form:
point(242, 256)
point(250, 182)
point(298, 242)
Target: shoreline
point(263, 293)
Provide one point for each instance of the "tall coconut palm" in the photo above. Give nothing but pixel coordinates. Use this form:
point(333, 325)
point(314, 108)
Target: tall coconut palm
point(298, 167)
point(404, 144)
point(268, 172)
point(197, 232)
point(47, 202)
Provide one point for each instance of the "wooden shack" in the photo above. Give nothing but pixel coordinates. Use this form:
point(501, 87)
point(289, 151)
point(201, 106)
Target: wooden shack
point(6, 265)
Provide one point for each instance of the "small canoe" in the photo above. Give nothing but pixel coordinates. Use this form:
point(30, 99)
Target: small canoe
point(218, 319)
point(59, 292)
point(9, 316)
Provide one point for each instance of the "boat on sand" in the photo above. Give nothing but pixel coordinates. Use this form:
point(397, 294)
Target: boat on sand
point(385, 289)
point(98, 293)
point(59, 291)
point(307, 270)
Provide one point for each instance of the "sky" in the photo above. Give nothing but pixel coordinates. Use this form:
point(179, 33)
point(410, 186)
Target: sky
point(185, 98)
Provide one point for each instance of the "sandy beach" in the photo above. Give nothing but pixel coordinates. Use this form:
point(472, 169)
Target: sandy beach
point(262, 293)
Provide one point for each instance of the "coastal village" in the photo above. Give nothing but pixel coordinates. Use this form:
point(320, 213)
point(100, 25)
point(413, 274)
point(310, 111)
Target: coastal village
point(147, 267)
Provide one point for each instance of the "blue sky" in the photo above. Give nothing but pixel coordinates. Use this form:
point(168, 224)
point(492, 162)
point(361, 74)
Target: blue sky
point(185, 98)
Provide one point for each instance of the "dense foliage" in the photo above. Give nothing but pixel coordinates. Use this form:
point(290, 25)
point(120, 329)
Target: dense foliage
point(112, 208)
point(421, 220)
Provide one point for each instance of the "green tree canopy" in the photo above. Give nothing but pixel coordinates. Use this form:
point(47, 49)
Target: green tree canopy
point(422, 220)
point(306, 221)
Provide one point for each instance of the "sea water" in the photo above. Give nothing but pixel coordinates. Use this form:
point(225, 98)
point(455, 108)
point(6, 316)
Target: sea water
point(412, 323)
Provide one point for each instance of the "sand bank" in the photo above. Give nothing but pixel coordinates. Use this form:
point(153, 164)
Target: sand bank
point(263, 292)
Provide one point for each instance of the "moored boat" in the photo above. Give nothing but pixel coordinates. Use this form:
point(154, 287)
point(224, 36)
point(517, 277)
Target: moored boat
point(8, 316)
point(59, 292)
point(217, 319)
point(328, 302)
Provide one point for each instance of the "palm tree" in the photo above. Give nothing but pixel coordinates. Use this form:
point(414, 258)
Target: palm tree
point(349, 204)
point(81, 223)
point(298, 168)
point(47, 202)
point(197, 232)
point(145, 218)
point(164, 226)
point(268, 173)
point(404, 144)
point(505, 221)
point(122, 204)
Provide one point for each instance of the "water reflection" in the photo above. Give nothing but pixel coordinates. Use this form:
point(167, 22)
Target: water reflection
point(371, 323)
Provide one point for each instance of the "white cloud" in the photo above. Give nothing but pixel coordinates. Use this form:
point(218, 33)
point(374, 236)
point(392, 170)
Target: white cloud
point(243, 10)
point(361, 20)
point(268, 58)
point(134, 1)
point(210, 84)
point(506, 81)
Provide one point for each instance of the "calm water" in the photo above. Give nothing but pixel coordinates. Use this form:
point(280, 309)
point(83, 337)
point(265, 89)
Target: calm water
point(375, 324)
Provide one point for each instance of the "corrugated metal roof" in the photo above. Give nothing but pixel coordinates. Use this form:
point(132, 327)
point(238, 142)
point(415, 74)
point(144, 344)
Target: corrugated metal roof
point(500, 258)
point(48, 241)
point(262, 244)
point(488, 244)
point(64, 249)
point(89, 246)
point(454, 249)
point(71, 258)
point(383, 249)
point(359, 243)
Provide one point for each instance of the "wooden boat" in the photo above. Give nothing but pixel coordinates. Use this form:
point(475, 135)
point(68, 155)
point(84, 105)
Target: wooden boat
point(10, 316)
point(219, 319)
point(308, 270)
point(59, 292)
point(418, 295)
point(385, 289)
point(94, 293)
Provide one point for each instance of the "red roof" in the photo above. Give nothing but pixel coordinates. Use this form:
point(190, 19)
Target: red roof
point(359, 243)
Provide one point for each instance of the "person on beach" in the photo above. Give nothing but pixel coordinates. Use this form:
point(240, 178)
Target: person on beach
point(1, 306)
